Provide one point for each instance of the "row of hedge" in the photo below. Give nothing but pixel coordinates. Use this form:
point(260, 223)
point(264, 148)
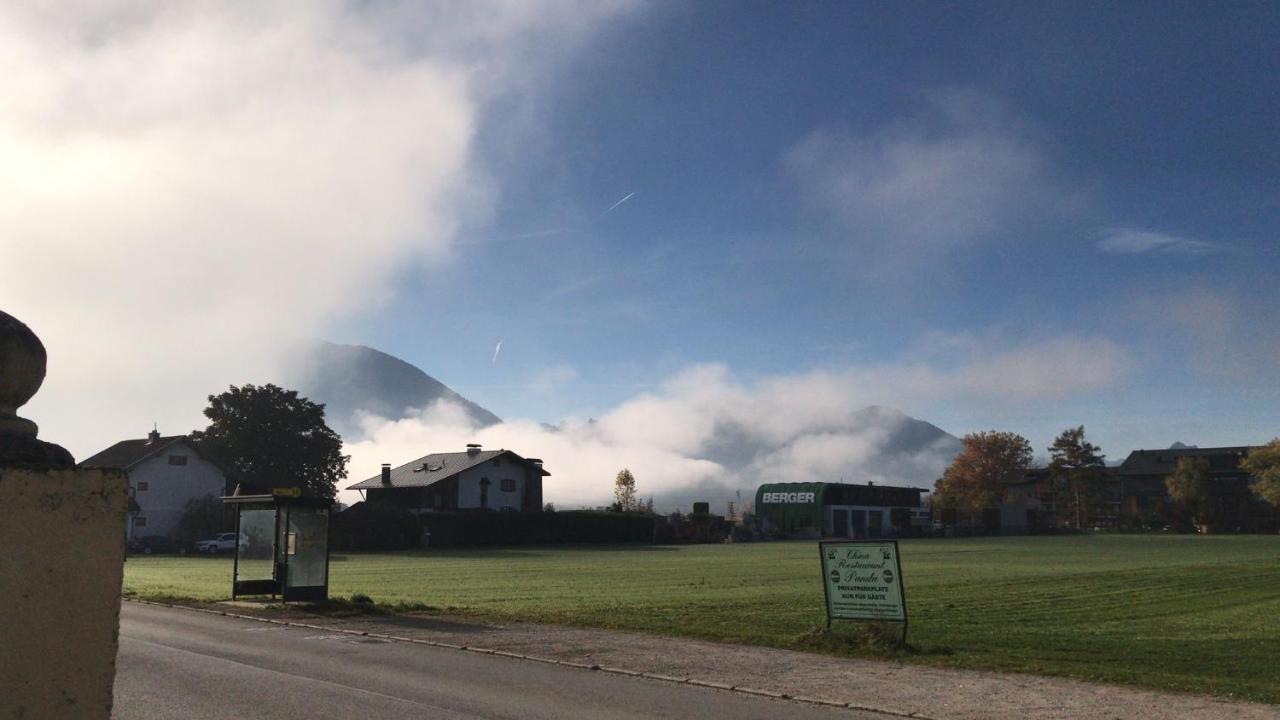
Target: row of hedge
point(385, 527)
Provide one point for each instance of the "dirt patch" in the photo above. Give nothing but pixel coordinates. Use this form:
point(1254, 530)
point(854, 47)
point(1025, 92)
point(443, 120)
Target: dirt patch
point(942, 693)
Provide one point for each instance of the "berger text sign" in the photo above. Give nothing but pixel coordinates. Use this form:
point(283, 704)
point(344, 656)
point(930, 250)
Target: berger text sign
point(863, 581)
point(787, 497)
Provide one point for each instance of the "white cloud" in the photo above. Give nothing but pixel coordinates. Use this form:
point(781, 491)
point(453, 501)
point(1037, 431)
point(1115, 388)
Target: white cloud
point(959, 175)
point(705, 433)
point(552, 378)
point(1220, 334)
point(1060, 367)
point(184, 187)
point(1130, 241)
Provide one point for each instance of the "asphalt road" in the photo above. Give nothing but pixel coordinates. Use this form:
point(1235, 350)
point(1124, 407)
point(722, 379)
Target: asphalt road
point(195, 666)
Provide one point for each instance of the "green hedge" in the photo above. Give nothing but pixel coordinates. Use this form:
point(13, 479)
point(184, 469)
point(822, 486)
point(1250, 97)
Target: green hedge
point(543, 528)
point(369, 526)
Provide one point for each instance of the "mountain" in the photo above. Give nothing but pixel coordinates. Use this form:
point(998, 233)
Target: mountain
point(905, 435)
point(874, 444)
point(352, 378)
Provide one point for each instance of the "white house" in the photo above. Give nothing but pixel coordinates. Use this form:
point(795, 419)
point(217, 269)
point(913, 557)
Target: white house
point(165, 473)
point(472, 480)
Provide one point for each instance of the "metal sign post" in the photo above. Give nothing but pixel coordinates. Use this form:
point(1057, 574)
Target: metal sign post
point(863, 581)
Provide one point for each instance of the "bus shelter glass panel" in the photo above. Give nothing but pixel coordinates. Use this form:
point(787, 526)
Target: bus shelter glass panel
point(307, 546)
point(256, 560)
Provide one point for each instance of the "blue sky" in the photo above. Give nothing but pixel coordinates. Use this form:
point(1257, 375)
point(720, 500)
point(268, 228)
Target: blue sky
point(701, 223)
point(835, 185)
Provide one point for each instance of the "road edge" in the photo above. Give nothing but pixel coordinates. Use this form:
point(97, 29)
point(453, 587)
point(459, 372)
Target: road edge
point(740, 689)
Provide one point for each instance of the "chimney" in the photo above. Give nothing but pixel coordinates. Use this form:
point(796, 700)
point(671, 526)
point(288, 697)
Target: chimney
point(153, 436)
point(473, 448)
point(386, 473)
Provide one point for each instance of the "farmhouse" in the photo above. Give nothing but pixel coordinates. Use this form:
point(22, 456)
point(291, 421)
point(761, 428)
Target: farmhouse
point(472, 480)
point(839, 509)
point(165, 473)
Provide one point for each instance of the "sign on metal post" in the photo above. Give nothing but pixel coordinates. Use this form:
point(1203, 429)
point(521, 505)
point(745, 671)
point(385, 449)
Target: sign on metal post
point(863, 581)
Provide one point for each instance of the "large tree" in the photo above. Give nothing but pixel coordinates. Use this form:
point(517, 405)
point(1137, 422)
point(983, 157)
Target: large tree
point(1077, 469)
point(1263, 463)
point(1189, 486)
point(976, 479)
point(270, 437)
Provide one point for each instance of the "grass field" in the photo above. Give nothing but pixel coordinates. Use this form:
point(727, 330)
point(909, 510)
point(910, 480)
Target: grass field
point(1190, 613)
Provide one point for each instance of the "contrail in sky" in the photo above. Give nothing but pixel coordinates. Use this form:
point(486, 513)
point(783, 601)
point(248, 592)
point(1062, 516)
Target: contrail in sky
point(497, 349)
point(611, 207)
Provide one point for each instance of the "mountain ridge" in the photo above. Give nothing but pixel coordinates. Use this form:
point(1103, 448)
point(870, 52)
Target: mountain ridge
point(350, 379)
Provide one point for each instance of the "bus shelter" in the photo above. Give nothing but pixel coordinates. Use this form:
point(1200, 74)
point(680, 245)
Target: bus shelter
point(282, 546)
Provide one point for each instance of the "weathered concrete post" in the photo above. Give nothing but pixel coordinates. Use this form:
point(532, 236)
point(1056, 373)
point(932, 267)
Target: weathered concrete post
point(61, 558)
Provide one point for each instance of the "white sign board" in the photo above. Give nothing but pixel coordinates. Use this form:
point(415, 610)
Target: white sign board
point(863, 580)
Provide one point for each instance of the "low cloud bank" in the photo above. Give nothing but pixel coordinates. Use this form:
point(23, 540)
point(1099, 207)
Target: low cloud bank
point(706, 434)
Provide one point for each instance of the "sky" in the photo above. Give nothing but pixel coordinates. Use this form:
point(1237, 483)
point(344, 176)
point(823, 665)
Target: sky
point(1014, 216)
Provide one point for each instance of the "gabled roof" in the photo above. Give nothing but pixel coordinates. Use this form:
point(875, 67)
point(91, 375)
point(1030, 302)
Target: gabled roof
point(127, 453)
point(1039, 474)
point(1163, 462)
point(435, 467)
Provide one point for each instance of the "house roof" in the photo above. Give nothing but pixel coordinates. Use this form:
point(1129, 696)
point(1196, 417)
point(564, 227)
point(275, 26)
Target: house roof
point(1163, 462)
point(127, 453)
point(435, 467)
point(1160, 462)
point(1038, 474)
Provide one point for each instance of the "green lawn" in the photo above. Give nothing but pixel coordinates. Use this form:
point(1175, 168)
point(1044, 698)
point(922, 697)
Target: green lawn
point(1175, 612)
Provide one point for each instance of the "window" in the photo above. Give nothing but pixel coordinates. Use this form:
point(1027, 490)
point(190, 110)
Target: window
point(143, 486)
point(177, 459)
point(508, 485)
point(140, 521)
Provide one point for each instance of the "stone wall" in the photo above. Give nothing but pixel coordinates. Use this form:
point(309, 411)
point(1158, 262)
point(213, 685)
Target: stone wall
point(61, 555)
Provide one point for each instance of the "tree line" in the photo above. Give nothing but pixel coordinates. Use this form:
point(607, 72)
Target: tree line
point(990, 461)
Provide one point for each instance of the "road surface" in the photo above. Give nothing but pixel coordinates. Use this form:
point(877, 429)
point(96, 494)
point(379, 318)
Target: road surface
point(177, 663)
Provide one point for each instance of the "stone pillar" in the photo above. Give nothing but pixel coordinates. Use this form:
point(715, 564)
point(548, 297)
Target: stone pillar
point(61, 558)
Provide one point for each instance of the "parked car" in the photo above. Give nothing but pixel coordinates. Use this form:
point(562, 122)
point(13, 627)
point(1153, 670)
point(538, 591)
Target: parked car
point(223, 542)
point(155, 545)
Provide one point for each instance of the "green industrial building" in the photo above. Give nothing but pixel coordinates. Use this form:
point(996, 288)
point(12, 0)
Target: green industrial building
point(844, 510)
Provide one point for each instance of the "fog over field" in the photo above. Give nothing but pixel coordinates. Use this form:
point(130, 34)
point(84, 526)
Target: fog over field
point(702, 436)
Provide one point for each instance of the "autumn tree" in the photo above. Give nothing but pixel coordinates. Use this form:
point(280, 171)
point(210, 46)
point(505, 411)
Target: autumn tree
point(976, 479)
point(271, 437)
point(1263, 463)
point(624, 491)
point(1189, 486)
point(1078, 468)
